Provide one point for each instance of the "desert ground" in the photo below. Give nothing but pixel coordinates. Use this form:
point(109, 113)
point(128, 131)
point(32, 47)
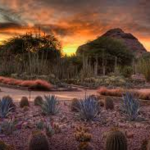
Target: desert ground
point(67, 121)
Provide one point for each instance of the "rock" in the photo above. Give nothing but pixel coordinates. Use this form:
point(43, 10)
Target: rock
point(129, 134)
point(122, 125)
point(138, 125)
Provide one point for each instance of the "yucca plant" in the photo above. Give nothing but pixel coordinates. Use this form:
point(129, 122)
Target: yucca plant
point(50, 105)
point(130, 106)
point(5, 107)
point(89, 109)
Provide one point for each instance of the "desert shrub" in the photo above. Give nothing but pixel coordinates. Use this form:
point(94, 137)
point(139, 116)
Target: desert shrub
point(144, 96)
point(5, 107)
point(50, 105)
point(116, 140)
point(127, 71)
point(109, 104)
point(75, 104)
point(38, 101)
point(89, 109)
point(39, 85)
point(38, 141)
point(143, 67)
point(111, 92)
point(24, 102)
point(119, 92)
point(130, 106)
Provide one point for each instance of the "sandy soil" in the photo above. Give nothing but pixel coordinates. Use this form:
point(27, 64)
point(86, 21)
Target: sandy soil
point(64, 95)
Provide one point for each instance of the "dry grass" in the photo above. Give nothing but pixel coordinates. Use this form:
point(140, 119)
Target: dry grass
point(119, 92)
point(31, 84)
point(111, 92)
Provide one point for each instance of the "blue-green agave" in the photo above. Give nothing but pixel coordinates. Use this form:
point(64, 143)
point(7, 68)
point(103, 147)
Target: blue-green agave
point(130, 106)
point(5, 107)
point(89, 108)
point(50, 105)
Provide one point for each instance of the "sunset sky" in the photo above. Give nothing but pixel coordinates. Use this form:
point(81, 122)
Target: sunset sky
point(75, 22)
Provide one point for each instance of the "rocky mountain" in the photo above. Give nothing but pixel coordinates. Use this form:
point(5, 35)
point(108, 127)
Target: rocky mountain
point(128, 39)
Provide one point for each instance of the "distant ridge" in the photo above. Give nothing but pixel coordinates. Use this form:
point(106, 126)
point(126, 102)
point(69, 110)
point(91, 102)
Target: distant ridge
point(128, 39)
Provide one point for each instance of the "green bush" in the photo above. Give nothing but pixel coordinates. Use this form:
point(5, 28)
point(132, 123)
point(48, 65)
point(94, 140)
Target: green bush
point(127, 71)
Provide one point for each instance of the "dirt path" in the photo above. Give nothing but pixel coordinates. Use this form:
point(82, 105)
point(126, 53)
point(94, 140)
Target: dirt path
point(65, 95)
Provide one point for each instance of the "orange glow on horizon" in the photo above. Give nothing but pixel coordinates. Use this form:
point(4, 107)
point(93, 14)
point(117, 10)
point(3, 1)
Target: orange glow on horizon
point(71, 44)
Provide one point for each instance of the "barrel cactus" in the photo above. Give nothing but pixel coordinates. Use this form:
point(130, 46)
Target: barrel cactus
point(38, 101)
point(38, 141)
point(75, 105)
point(24, 102)
point(116, 140)
point(109, 104)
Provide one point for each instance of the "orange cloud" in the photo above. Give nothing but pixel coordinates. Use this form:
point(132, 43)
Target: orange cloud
point(75, 22)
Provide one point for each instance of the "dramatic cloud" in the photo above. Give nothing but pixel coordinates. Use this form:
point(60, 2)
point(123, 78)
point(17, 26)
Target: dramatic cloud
point(75, 22)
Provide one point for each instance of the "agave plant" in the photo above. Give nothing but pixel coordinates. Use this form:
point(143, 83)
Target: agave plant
point(50, 105)
point(49, 129)
point(89, 108)
point(7, 127)
point(130, 106)
point(5, 107)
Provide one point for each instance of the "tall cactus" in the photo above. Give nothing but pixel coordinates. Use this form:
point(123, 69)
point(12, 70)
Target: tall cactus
point(116, 140)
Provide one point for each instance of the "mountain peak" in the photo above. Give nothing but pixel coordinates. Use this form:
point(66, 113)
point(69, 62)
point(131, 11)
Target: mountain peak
point(128, 39)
